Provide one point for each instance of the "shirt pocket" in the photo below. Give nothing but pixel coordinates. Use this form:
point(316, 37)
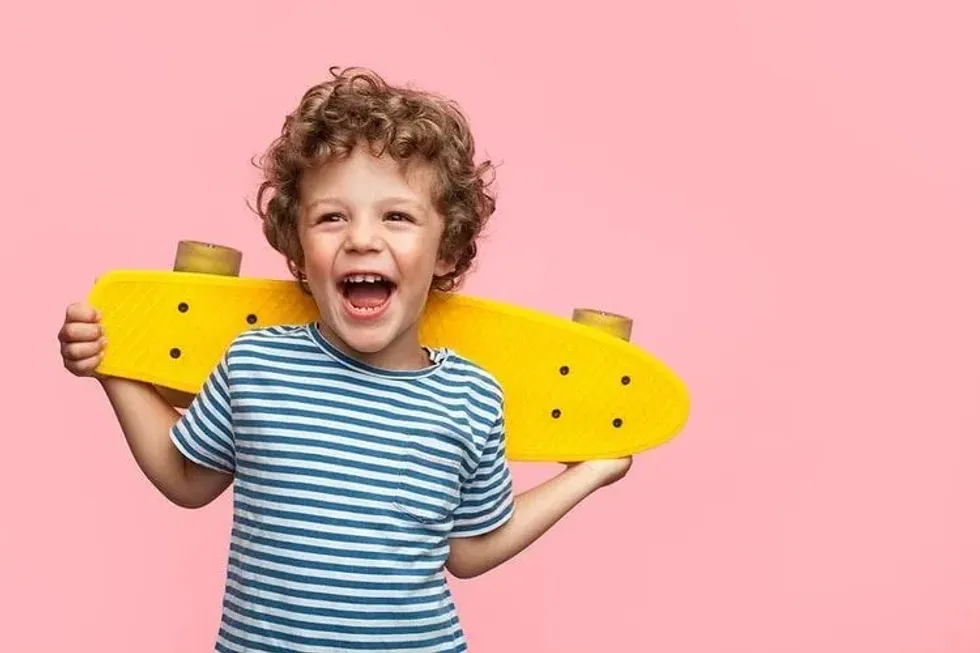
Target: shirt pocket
point(429, 477)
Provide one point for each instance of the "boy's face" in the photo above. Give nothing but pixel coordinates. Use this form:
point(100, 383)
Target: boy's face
point(370, 239)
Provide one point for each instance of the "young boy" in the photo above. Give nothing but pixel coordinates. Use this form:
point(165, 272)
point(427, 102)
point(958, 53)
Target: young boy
point(364, 463)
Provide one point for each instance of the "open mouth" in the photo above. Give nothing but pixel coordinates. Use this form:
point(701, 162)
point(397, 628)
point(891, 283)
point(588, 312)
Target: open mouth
point(366, 294)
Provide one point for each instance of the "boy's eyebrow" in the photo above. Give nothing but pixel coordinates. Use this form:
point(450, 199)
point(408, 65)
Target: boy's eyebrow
point(321, 200)
point(393, 200)
point(406, 201)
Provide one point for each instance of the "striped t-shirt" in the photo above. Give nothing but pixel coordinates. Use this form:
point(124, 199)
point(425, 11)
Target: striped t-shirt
point(349, 481)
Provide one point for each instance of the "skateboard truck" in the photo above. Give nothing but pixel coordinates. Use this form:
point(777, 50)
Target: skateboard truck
point(203, 258)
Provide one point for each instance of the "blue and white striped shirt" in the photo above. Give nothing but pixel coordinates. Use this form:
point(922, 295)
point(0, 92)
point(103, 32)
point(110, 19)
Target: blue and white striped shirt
point(348, 482)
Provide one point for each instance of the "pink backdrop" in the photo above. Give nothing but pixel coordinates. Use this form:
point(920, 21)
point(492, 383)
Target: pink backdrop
point(782, 194)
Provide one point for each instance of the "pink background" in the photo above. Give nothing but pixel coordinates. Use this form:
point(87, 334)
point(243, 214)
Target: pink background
point(784, 195)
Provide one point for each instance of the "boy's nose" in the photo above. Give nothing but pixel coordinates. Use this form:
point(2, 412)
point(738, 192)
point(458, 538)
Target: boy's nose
point(362, 235)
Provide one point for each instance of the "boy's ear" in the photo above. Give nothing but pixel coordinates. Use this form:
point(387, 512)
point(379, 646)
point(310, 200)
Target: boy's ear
point(444, 266)
point(295, 268)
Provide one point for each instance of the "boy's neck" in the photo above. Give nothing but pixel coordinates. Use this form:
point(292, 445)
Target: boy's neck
point(404, 353)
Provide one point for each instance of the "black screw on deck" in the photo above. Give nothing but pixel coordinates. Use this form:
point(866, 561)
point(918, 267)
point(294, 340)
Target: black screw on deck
point(182, 307)
point(563, 370)
point(617, 422)
point(174, 353)
point(556, 413)
point(626, 380)
point(251, 319)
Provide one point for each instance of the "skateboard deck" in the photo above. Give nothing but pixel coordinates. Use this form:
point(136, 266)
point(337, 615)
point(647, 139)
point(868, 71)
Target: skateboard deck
point(572, 392)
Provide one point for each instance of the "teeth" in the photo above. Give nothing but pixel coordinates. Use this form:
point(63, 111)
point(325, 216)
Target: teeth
point(364, 278)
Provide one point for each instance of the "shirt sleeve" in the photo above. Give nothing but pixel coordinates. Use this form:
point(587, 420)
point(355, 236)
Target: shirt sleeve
point(487, 500)
point(204, 433)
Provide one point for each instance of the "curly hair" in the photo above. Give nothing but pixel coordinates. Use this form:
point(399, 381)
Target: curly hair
point(358, 106)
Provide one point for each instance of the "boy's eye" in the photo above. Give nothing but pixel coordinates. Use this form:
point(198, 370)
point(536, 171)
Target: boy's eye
point(330, 217)
point(398, 216)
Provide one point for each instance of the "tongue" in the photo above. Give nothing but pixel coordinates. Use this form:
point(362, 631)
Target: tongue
point(367, 295)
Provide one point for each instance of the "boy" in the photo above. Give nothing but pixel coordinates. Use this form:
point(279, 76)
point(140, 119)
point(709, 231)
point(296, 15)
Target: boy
point(364, 463)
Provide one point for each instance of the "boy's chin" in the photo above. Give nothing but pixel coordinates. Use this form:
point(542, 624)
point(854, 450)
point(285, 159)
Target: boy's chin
point(366, 339)
point(369, 337)
point(366, 344)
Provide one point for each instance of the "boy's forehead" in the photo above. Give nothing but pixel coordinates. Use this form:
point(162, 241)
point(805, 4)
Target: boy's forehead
point(364, 174)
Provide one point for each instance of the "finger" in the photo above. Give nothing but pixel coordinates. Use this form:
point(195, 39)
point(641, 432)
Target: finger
point(81, 312)
point(80, 332)
point(79, 351)
point(84, 367)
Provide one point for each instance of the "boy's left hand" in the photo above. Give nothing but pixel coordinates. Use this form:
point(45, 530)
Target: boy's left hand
point(607, 471)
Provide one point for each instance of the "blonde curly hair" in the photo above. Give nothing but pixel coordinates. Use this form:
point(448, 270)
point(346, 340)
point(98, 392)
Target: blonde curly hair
point(357, 106)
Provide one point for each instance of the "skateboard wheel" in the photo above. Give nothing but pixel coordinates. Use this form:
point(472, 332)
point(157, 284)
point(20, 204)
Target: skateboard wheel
point(619, 326)
point(207, 258)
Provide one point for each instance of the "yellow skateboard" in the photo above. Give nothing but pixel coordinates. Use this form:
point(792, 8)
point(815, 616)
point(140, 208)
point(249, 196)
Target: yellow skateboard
point(575, 389)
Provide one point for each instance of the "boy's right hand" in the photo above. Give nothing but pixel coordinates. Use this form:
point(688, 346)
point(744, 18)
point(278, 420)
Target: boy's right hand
point(82, 340)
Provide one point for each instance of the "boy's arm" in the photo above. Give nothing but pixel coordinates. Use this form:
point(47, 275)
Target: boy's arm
point(491, 526)
point(188, 458)
point(534, 512)
point(146, 420)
